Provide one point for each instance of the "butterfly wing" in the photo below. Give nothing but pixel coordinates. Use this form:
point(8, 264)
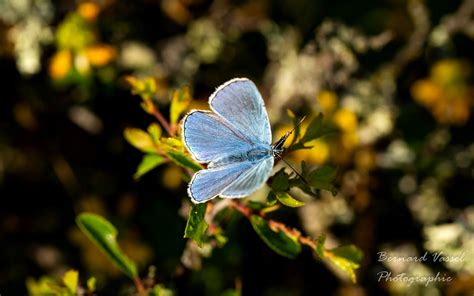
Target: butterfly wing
point(250, 180)
point(208, 137)
point(239, 102)
point(236, 179)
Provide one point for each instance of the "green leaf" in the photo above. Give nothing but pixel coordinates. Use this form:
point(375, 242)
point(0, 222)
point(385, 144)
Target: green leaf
point(286, 199)
point(277, 240)
point(181, 159)
point(179, 102)
point(271, 199)
point(149, 162)
point(314, 129)
point(155, 132)
point(160, 290)
point(322, 178)
point(70, 280)
point(280, 181)
point(320, 246)
point(347, 258)
point(91, 282)
point(104, 235)
point(196, 226)
point(139, 139)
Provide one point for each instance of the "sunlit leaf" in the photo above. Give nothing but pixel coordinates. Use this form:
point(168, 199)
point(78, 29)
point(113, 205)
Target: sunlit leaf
point(70, 280)
point(104, 235)
point(347, 258)
point(181, 159)
point(278, 241)
point(160, 290)
point(145, 87)
point(91, 282)
point(179, 102)
point(155, 132)
point(286, 199)
point(322, 178)
point(139, 139)
point(149, 162)
point(196, 226)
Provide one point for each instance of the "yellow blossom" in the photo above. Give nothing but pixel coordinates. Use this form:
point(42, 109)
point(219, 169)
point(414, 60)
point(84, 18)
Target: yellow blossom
point(346, 120)
point(60, 64)
point(88, 10)
point(327, 101)
point(101, 54)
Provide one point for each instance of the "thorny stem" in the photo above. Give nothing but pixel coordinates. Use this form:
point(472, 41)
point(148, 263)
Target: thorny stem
point(140, 288)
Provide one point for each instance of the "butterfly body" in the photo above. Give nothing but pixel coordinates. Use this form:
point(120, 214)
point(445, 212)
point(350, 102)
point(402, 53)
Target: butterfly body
point(234, 140)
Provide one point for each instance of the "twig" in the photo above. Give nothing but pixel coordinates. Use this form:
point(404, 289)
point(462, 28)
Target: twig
point(140, 288)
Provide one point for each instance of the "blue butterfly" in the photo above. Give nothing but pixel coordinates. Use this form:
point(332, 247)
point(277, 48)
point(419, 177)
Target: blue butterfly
point(234, 140)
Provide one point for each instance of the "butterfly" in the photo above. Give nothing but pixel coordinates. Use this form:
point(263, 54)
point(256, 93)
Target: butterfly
point(234, 139)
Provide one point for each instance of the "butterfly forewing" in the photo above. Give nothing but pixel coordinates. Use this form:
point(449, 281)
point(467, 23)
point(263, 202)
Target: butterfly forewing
point(239, 103)
point(208, 137)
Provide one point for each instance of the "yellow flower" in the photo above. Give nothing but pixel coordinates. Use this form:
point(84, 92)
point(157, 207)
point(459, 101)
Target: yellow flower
point(350, 140)
point(346, 120)
point(327, 101)
point(88, 10)
point(316, 155)
point(60, 64)
point(426, 92)
point(101, 54)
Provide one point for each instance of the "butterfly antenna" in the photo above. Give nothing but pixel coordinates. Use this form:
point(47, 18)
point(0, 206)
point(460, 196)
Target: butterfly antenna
point(278, 144)
point(296, 172)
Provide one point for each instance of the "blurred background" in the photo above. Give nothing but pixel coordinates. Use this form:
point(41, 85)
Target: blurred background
point(395, 77)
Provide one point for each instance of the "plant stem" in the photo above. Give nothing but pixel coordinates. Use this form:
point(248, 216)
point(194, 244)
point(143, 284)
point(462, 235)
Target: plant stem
point(140, 288)
point(157, 114)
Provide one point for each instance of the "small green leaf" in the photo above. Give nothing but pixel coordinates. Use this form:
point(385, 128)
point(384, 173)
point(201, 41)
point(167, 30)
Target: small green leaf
point(322, 178)
point(70, 280)
point(149, 162)
point(320, 246)
point(271, 199)
point(286, 199)
point(314, 129)
point(155, 132)
point(280, 181)
point(91, 284)
point(160, 290)
point(183, 160)
point(278, 241)
point(179, 102)
point(255, 205)
point(347, 258)
point(104, 235)
point(139, 139)
point(196, 226)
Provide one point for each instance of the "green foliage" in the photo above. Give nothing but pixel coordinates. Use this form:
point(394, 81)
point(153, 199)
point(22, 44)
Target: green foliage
point(74, 33)
point(104, 235)
point(179, 102)
point(139, 139)
point(347, 258)
point(288, 200)
point(149, 162)
point(196, 226)
point(183, 160)
point(276, 239)
point(68, 285)
point(322, 178)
